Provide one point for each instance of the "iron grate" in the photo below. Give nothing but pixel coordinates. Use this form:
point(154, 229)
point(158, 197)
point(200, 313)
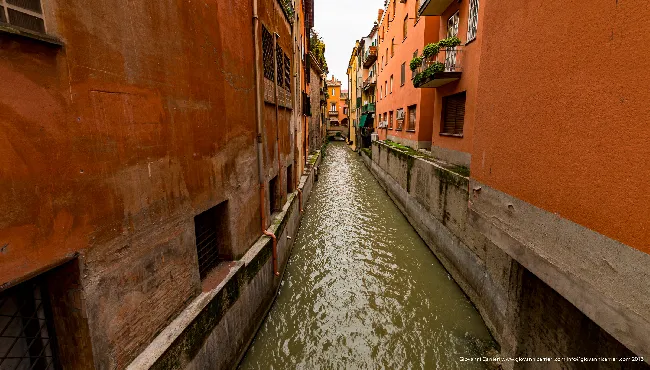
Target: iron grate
point(287, 72)
point(27, 340)
point(279, 54)
point(267, 53)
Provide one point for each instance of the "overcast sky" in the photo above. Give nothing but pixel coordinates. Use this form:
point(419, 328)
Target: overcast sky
point(340, 23)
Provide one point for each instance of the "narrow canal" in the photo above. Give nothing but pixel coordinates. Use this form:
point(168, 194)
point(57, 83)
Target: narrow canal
point(362, 290)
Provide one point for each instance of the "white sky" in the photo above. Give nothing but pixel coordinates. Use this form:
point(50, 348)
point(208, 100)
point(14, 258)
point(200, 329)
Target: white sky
point(340, 23)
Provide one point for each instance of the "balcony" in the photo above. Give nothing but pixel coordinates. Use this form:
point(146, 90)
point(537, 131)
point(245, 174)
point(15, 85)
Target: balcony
point(334, 113)
point(368, 108)
point(434, 7)
point(370, 56)
point(441, 69)
point(371, 81)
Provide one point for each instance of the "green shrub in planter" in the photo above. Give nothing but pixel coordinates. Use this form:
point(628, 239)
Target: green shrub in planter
point(415, 63)
point(431, 50)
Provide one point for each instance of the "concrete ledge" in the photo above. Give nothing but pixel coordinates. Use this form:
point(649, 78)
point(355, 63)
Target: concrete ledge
point(497, 247)
point(603, 278)
point(216, 328)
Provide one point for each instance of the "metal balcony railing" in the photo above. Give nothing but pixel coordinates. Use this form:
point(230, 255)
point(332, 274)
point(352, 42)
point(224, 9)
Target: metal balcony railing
point(370, 56)
point(371, 81)
point(441, 69)
point(368, 108)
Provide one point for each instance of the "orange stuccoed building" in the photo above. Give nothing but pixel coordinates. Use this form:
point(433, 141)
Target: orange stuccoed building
point(528, 179)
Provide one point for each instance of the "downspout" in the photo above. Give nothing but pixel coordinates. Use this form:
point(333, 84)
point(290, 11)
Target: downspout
point(260, 143)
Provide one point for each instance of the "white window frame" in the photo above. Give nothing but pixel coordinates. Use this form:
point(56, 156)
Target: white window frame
point(41, 16)
point(472, 20)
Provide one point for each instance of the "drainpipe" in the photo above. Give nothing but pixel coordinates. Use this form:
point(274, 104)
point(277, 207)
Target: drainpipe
point(260, 143)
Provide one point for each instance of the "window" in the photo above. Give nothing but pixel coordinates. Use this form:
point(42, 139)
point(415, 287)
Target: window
point(267, 51)
point(333, 92)
point(472, 22)
point(381, 92)
point(453, 114)
point(390, 120)
point(27, 14)
point(391, 84)
point(394, 1)
point(400, 119)
point(410, 124)
point(452, 30)
point(290, 179)
point(211, 232)
point(287, 72)
point(386, 55)
point(452, 25)
point(415, 54)
point(403, 77)
point(333, 107)
point(27, 338)
point(417, 11)
point(279, 54)
point(382, 63)
point(385, 88)
point(392, 48)
point(406, 26)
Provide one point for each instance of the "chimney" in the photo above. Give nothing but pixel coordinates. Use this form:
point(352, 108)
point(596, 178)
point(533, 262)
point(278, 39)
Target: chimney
point(379, 14)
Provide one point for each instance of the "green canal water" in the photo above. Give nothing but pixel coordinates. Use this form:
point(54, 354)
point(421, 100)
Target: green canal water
point(362, 290)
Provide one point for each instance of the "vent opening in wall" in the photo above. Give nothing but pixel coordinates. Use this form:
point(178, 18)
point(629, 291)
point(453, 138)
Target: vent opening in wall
point(212, 238)
point(290, 179)
point(273, 195)
point(27, 14)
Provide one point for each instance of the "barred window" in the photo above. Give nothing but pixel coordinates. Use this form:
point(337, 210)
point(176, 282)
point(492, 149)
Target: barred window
point(287, 72)
point(390, 120)
point(27, 338)
point(267, 51)
point(453, 114)
point(211, 232)
point(472, 22)
point(279, 54)
point(27, 14)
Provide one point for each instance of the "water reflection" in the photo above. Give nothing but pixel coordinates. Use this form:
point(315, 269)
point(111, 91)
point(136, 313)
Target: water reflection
point(362, 290)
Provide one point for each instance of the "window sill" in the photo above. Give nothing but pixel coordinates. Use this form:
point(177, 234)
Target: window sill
point(6, 28)
point(470, 41)
point(451, 135)
point(398, 129)
point(410, 130)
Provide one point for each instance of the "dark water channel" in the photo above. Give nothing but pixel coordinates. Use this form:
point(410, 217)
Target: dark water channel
point(362, 290)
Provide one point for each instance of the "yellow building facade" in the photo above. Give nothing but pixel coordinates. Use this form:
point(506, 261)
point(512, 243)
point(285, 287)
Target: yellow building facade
point(353, 91)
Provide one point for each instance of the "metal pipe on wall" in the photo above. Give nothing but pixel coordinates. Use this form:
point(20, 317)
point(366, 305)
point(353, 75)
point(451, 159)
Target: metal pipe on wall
point(260, 142)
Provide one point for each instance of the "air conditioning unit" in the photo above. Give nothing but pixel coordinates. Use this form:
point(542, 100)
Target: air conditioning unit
point(400, 114)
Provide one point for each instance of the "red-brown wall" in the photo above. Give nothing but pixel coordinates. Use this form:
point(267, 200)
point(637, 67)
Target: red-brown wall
point(113, 142)
point(562, 111)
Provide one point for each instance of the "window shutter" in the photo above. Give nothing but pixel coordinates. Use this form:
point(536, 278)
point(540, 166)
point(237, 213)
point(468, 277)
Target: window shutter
point(412, 115)
point(454, 113)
